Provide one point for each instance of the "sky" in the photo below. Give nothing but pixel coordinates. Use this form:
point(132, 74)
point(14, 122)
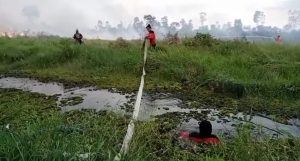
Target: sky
point(62, 17)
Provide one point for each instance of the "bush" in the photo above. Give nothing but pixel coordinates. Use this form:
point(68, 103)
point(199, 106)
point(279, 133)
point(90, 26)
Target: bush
point(201, 40)
point(233, 47)
point(119, 43)
point(172, 38)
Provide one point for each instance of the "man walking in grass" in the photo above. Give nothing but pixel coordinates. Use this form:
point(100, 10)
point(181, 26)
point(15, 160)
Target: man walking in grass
point(78, 37)
point(151, 36)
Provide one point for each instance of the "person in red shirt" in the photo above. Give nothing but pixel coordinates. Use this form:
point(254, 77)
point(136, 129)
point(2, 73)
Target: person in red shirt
point(204, 136)
point(278, 39)
point(151, 36)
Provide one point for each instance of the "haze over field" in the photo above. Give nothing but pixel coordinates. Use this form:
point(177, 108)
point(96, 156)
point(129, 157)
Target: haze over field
point(62, 17)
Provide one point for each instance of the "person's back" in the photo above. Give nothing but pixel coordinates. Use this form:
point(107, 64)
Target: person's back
point(205, 136)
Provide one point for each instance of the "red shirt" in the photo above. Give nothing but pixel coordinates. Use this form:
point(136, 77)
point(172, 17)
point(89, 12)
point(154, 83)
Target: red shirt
point(278, 40)
point(208, 140)
point(152, 38)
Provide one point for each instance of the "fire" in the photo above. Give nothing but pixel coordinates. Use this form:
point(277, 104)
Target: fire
point(11, 34)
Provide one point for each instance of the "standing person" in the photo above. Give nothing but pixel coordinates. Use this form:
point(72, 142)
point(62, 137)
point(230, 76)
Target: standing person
point(151, 36)
point(78, 37)
point(278, 39)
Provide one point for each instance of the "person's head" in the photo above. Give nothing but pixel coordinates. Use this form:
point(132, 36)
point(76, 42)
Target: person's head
point(278, 36)
point(77, 31)
point(148, 27)
point(205, 128)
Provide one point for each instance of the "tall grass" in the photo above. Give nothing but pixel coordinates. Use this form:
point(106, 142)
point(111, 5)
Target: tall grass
point(39, 131)
point(153, 142)
point(63, 59)
point(264, 69)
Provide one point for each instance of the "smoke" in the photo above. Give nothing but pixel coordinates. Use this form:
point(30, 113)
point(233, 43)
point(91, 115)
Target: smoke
point(63, 17)
point(31, 12)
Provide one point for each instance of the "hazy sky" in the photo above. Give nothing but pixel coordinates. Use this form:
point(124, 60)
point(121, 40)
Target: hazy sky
point(63, 16)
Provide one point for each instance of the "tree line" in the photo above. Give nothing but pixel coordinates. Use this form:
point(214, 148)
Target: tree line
point(185, 28)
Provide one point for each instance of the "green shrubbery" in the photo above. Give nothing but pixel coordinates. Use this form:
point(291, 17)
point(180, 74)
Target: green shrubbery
point(205, 40)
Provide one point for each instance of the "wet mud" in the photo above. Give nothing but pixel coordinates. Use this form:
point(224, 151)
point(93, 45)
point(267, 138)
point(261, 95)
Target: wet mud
point(181, 114)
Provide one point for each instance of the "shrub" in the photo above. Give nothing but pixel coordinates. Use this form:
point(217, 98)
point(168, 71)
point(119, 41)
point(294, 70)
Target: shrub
point(119, 43)
point(201, 40)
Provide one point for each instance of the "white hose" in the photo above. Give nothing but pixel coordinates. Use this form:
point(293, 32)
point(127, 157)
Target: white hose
point(130, 129)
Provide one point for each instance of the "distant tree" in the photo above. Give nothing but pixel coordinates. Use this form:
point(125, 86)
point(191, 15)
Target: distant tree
point(259, 18)
point(165, 22)
point(151, 20)
point(183, 24)
point(107, 25)
point(238, 27)
point(227, 26)
point(26, 32)
point(203, 18)
point(190, 25)
point(293, 20)
point(174, 26)
point(218, 26)
point(238, 24)
point(138, 26)
point(120, 27)
point(164, 29)
point(186, 28)
point(213, 27)
point(288, 27)
point(99, 26)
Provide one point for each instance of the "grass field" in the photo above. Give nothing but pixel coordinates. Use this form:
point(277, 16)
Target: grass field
point(38, 131)
point(207, 74)
point(266, 65)
point(268, 73)
point(159, 144)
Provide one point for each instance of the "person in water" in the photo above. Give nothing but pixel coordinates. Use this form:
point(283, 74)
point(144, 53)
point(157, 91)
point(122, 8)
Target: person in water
point(204, 136)
point(78, 37)
point(151, 36)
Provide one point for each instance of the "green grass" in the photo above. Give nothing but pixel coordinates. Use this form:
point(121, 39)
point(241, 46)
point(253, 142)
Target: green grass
point(269, 72)
point(39, 131)
point(95, 62)
point(153, 142)
point(271, 67)
point(266, 65)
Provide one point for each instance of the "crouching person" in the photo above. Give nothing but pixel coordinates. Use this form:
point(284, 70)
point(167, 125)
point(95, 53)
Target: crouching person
point(205, 135)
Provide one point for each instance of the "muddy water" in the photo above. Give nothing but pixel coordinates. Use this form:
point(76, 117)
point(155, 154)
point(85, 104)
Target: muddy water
point(162, 103)
point(261, 125)
point(152, 105)
point(91, 98)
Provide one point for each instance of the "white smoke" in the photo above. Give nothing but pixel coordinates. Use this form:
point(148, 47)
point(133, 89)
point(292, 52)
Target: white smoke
point(63, 17)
